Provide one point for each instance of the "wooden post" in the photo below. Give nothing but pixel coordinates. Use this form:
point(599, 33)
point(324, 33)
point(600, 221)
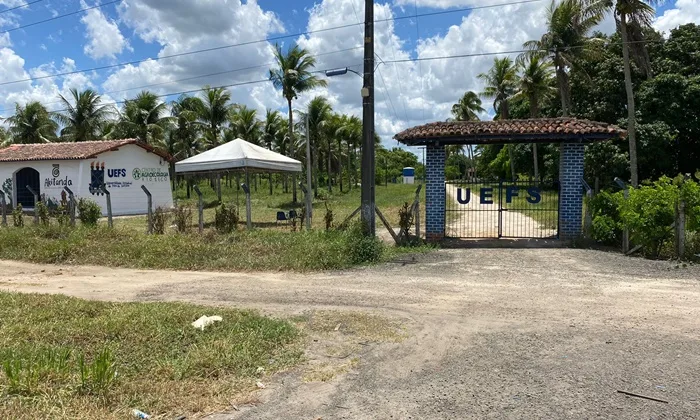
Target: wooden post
point(680, 229)
point(200, 207)
point(36, 201)
point(248, 215)
point(418, 220)
point(218, 187)
point(149, 209)
point(71, 205)
point(3, 204)
point(388, 226)
point(108, 197)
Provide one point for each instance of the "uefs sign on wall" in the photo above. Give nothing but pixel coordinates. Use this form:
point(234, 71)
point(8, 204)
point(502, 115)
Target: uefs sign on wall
point(533, 196)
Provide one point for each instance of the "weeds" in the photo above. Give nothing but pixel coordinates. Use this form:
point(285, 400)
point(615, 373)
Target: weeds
point(328, 218)
point(226, 218)
point(97, 377)
point(43, 212)
point(160, 220)
point(183, 217)
point(89, 212)
point(18, 216)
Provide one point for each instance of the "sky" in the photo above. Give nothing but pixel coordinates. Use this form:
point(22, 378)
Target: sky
point(148, 33)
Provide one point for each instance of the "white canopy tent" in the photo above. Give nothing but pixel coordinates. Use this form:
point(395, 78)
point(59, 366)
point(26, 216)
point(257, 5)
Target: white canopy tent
point(238, 155)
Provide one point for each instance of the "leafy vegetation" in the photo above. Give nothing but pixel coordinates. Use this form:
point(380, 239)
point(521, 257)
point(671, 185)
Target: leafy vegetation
point(100, 360)
point(89, 212)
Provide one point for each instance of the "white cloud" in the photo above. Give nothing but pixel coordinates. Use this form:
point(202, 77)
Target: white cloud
point(182, 26)
point(685, 11)
point(103, 35)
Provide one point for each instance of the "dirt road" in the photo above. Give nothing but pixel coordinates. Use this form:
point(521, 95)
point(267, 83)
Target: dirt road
point(493, 333)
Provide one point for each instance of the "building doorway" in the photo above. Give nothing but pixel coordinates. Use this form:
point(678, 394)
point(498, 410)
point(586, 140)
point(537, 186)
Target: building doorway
point(23, 178)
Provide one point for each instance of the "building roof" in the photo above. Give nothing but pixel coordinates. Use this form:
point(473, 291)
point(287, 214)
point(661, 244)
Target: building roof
point(69, 151)
point(544, 130)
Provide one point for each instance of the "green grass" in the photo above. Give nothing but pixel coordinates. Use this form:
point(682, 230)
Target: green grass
point(69, 358)
point(240, 251)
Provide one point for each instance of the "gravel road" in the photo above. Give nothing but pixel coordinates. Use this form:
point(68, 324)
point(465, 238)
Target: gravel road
point(493, 333)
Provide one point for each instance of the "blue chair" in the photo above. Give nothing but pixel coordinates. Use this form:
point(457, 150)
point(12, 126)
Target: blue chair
point(282, 217)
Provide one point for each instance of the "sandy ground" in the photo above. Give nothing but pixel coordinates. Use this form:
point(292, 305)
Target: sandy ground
point(482, 221)
point(493, 333)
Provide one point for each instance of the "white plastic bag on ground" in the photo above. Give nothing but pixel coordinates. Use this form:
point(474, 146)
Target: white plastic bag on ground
point(205, 321)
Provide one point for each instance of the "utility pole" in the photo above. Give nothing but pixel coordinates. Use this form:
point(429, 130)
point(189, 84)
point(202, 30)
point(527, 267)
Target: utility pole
point(367, 196)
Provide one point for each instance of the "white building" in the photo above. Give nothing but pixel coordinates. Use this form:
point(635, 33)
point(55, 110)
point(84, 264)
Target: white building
point(123, 166)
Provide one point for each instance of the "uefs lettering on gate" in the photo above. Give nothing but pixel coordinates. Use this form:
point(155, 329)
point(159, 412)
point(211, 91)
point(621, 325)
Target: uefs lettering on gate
point(534, 195)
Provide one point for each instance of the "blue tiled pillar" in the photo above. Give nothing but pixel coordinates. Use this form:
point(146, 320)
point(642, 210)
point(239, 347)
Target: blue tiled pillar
point(434, 193)
point(571, 190)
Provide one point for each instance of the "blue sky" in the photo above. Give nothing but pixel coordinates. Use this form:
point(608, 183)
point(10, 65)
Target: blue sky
point(408, 93)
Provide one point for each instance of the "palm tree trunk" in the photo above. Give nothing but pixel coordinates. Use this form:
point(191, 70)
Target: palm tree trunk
point(330, 186)
point(563, 87)
point(291, 149)
point(534, 112)
point(631, 123)
point(350, 152)
point(315, 168)
point(504, 116)
point(270, 183)
point(340, 165)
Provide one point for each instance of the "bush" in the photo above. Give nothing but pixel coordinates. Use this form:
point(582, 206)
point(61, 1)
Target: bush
point(328, 218)
point(160, 220)
point(43, 212)
point(226, 218)
point(183, 217)
point(18, 216)
point(62, 216)
point(606, 224)
point(89, 212)
point(362, 248)
point(405, 220)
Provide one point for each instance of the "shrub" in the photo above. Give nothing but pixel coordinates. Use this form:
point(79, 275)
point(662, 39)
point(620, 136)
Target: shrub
point(160, 220)
point(405, 220)
point(89, 212)
point(606, 224)
point(362, 248)
point(183, 217)
point(226, 218)
point(62, 216)
point(328, 218)
point(18, 216)
point(43, 212)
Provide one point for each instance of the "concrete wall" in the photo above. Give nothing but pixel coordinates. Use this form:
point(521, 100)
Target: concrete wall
point(126, 169)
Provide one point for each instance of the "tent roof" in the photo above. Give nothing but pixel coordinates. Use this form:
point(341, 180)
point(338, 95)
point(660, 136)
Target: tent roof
point(236, 155)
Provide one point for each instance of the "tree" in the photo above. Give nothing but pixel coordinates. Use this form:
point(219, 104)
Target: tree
point(318, 113)
point(244, 124)
point(270, 131)
point(500, 82)
point(184, 140)
point(293, 76)
point(5, 138)
point(632, 16)
point(32, 123)
point(144, 118)
point(467, 107)
point(351, 132)
point(214, 112)
point(535, 84)
point(566, 40)
point(84, 116)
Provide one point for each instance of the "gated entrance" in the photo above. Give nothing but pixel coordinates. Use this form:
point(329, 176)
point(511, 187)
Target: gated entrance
point(502, 209)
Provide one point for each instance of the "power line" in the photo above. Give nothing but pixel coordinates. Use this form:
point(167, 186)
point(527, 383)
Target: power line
point(201, 76)
point(21, 6)
point(269, 39)
point(59, 16)
point(420, 67)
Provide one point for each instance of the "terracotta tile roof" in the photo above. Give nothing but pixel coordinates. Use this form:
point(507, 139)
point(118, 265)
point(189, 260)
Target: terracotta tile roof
point(68, 151)
point(510, 131)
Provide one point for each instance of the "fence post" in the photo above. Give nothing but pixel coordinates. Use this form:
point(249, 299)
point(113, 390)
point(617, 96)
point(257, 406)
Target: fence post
point(680, 228)
point(71, 205)
point(3, 204)
point(108, 196)
point(200, 208)
point(36, 201)
point(626, 231)
point(150, 209)
point(248, 216)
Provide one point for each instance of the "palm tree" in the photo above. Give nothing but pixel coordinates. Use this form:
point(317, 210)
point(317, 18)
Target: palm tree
point(215, 112)
point(536, 84)
point(501, 81)
point(183, 140)
point(144, 118)
point(270, 131)
point(351, 132)
point(467, 107)
point(32, 123)
point(466, 110)
point(293, 76)
point(318, 113)
point(5, 138)
point(244, 124)
point(84, 115)
point(632, 16)
point(568, 26)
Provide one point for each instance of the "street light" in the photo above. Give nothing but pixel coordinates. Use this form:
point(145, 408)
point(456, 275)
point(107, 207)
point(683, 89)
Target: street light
point(341, 72)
